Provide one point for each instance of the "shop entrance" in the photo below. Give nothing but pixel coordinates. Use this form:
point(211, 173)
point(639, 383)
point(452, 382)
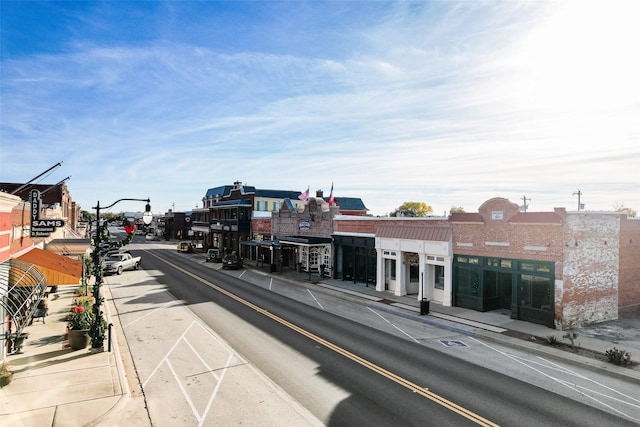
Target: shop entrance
point(521, 286)
point(498, 290)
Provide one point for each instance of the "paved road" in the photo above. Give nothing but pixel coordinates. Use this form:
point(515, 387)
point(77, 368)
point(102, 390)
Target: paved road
point(364, 387)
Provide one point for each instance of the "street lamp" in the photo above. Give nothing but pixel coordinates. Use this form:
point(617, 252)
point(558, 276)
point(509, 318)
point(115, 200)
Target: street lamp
point(96, 331)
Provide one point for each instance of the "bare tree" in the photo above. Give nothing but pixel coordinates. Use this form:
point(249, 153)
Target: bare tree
point(619, 207)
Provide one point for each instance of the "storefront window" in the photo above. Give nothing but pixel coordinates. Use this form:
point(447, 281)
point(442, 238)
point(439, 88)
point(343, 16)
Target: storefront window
point(313, 257)
point(414, 273)
point(490, 284)
point(535, 291)
point(439, 276)
point(498, 262)
point(468, 282)
point(466, 260)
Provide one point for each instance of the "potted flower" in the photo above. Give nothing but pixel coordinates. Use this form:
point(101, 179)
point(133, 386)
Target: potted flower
point(5, 374)
point(79, 324)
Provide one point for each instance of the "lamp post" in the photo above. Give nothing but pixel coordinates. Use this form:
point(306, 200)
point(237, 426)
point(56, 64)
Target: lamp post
point(96, 331)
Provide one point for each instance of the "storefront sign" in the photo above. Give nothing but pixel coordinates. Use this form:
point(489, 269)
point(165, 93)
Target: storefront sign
point(304, 226)
point(41, 227)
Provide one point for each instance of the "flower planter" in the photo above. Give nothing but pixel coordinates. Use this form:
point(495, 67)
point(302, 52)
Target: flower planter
point(5, 379)
point(5, 375)
point(78, 338)
point(18, 341)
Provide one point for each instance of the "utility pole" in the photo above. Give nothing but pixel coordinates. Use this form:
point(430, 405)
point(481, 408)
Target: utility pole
point(524, 200)
point(579, 193)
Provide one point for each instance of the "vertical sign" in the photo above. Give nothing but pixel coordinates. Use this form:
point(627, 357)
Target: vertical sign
point(41, 227)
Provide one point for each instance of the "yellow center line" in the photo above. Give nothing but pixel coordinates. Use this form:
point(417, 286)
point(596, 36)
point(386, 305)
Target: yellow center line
point(366, 363)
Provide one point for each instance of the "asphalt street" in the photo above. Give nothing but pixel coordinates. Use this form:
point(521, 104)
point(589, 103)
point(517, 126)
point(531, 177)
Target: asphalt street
point(184, 292)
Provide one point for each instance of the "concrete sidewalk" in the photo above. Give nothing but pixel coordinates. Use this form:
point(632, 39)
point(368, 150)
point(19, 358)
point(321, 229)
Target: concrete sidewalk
point(54, 385)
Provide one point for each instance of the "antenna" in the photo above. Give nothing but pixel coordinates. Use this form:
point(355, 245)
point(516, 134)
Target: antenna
point(525, 205)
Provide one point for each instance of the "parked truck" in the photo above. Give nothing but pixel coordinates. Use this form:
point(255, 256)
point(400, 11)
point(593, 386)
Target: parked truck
point(116, 263)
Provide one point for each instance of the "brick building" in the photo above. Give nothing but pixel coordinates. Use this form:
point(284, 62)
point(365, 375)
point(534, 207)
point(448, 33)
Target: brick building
point(561, 269)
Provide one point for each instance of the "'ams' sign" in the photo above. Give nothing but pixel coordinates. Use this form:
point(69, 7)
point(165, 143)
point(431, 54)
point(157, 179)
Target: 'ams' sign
point(41, 227)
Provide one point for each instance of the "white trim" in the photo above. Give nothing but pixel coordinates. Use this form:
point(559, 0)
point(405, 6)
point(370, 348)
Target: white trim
point(344, 233)
point(497, 244)
point(389, 218)
point(535, 248)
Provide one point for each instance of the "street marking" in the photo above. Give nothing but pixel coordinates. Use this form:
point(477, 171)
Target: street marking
point(571, 385)
point(386, 320)
point(148, 313)
point(453, 343)
point(315, 299)
point(423, 391)
point(201, 417)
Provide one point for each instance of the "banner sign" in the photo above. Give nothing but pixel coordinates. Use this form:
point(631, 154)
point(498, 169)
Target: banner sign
point(41, 227)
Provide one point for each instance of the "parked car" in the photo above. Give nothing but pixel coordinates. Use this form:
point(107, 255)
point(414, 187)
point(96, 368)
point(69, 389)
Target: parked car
point(118, 251)
point(116, 263)
point(185, 247)
point(213, 255)
point(232, 261)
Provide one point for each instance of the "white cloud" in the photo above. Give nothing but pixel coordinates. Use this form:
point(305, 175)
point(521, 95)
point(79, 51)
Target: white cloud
point(447, 103)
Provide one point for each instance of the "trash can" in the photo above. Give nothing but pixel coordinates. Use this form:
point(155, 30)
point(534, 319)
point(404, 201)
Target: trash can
point(424, 306)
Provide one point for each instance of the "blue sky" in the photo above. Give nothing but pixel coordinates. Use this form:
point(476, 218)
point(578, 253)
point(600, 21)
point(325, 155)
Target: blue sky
point(444, 102)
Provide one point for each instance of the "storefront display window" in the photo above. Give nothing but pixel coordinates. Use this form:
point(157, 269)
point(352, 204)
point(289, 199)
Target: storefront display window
point(439, 276)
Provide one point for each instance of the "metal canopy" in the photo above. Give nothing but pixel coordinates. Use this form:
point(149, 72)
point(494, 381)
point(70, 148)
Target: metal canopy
point(22, 286)
point(305, 240)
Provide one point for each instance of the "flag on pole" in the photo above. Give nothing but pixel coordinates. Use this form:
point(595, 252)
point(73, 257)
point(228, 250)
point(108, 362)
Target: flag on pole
point(305, 195)
point(331, 195)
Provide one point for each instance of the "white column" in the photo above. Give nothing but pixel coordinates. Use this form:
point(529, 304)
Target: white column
point(422, 276)
point(448, 282)
point(380, 272)
point(401, 275)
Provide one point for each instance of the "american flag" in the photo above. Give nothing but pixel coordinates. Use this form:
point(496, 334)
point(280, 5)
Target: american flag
point(305, 195)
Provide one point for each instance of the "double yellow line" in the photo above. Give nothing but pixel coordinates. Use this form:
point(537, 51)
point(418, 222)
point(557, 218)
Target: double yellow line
point(367, 364)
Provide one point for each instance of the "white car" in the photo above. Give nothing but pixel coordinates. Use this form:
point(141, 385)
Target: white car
point(150, 237)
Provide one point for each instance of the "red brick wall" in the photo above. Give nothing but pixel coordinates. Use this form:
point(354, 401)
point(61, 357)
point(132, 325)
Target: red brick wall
point(540, 242)
point(286, 223)
point(629, 280)
point(533, 240)
point(261, 226)
point(596, 255)
point(20, 219)
point(5, 234)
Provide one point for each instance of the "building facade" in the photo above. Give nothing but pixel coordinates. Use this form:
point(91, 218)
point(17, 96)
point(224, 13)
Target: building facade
point(560, 269)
